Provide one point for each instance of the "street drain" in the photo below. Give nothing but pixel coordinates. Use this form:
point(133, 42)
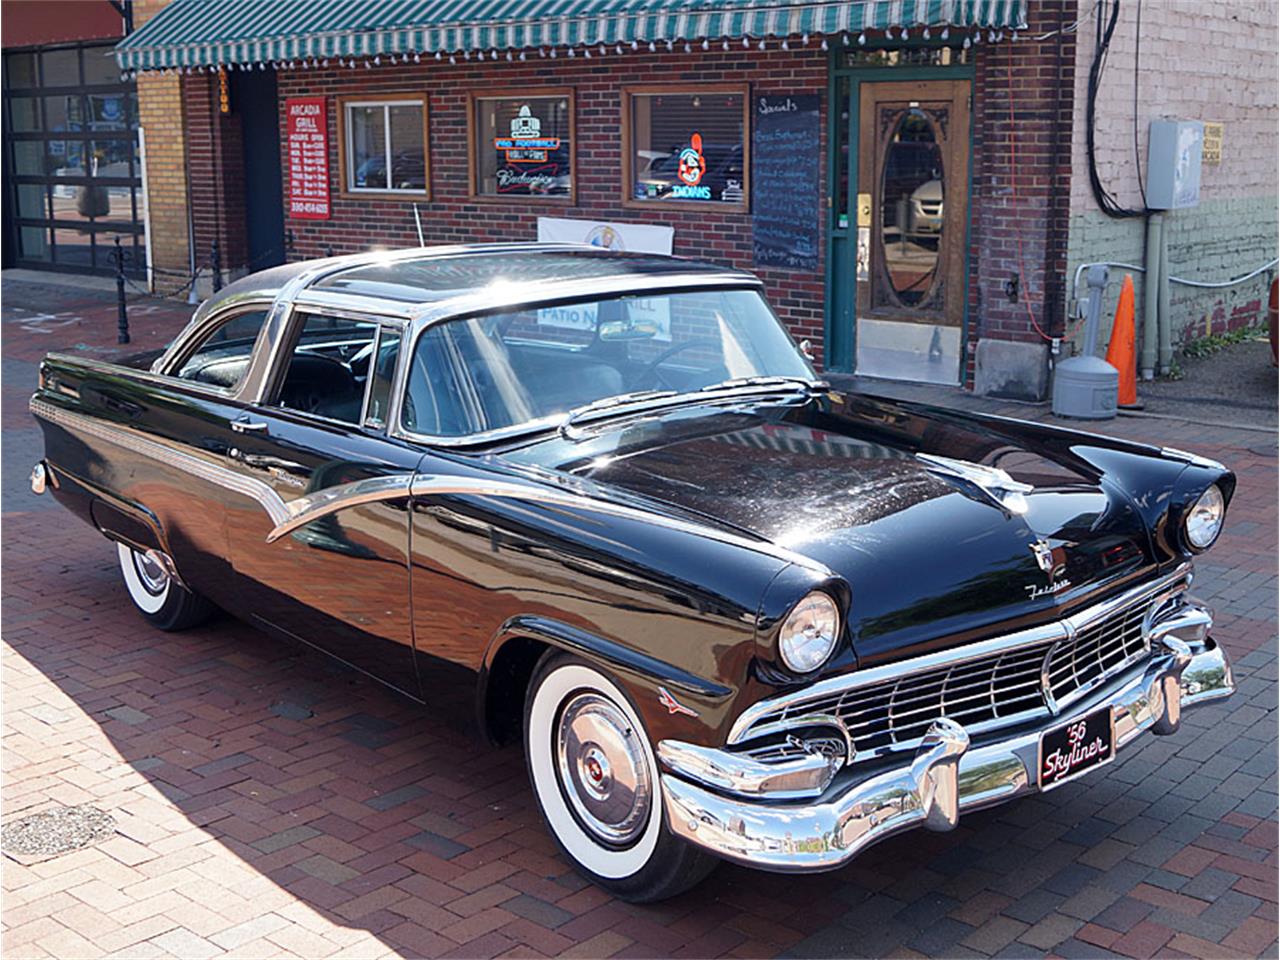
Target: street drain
point(53, 832)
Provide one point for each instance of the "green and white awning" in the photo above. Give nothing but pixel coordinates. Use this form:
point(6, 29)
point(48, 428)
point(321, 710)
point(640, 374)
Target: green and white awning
point(208, 33)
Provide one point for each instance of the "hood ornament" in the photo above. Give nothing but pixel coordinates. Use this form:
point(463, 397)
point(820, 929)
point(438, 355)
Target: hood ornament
point(992, 483)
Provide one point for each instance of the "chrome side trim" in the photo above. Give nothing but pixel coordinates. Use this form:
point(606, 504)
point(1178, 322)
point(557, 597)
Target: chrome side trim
point(1057, 630)
point(330, 500)
point(856, 813)
point(132, 440)
point(304, 510)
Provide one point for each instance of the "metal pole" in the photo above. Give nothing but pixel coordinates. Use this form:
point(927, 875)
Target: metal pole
point(1151, 297)
point(215, 260)
point(122, 307)
point(1097, 278)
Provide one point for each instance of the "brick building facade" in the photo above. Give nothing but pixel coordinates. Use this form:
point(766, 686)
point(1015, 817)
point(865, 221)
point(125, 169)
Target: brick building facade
point(1025, 226)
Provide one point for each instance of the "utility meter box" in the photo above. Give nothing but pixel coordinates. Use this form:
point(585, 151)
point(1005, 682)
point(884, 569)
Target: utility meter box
point(1174, 153)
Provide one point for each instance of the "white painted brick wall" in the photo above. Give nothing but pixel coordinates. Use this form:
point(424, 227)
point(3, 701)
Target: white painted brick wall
point(1208, 61)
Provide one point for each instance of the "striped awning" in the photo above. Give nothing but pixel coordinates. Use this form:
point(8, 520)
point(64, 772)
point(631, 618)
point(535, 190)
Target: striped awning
point(206, 33)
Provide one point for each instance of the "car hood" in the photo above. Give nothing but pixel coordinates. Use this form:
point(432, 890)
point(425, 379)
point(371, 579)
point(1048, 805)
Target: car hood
point(930, 561)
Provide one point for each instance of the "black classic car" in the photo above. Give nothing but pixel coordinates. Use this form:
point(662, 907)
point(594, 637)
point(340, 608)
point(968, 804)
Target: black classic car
point(732, 612)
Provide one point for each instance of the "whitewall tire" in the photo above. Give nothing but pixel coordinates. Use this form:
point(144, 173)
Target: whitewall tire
point(164, 603)
point(596, 779)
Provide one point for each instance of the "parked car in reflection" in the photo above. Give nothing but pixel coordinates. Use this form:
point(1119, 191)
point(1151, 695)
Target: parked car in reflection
point(602, 503)
point(926, 208)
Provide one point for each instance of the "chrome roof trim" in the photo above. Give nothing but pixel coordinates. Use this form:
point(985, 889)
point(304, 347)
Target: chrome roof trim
point(1030, 637)
point(531, 294)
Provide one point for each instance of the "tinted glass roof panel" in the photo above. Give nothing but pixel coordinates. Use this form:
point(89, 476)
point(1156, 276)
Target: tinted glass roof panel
point(442, 277)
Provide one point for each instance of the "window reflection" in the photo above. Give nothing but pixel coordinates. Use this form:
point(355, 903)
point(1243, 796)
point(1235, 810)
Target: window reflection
point(911, 215)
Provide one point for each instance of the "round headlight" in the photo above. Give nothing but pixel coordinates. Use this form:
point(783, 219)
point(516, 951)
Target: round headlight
point(1204, 519)
point(809, 633)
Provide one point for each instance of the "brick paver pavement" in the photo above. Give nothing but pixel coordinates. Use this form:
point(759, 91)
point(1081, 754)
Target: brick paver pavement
point(271, 804)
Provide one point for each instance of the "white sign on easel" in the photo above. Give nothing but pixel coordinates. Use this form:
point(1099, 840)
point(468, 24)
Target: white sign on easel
point(631, 237)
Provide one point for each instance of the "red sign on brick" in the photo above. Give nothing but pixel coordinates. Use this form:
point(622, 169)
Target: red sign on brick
point(308, 158)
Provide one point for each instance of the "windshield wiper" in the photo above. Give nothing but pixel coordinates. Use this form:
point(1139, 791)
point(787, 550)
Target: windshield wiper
point(611, 403)
point(767, 381)
point(610, 406)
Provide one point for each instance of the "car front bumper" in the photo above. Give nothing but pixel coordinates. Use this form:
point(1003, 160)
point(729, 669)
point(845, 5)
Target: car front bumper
point(947, 775)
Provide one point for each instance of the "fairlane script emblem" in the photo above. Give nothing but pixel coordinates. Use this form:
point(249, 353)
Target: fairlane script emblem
point(673, 705)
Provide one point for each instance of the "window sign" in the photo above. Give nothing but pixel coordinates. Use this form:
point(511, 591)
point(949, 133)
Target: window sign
point(308, 158)
point(688, 146)
point(523, 146)
point(640, 317)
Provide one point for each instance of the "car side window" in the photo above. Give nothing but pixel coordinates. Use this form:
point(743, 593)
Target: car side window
point(434, 404)
point(222, 358)
point(381, 374)
point(329, 367)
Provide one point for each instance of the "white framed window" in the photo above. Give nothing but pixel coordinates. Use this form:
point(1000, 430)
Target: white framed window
point(384, 146)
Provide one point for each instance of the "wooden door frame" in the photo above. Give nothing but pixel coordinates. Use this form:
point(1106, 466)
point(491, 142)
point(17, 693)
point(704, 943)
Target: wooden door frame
point(841, 350)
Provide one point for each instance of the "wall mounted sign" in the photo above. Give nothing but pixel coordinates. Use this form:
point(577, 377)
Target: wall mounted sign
point(785, 155)
point(1212, 143)
point(307, 133)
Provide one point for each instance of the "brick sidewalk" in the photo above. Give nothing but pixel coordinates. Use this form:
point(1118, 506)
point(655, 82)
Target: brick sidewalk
point(270, 804)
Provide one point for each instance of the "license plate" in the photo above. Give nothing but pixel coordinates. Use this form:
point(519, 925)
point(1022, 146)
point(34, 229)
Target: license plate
point(1085, 743)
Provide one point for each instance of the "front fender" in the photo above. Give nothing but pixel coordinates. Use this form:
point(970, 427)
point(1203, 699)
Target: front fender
point(671, 701)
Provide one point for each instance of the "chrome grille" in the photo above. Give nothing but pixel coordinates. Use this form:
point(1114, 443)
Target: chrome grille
point(1095, 653)
point(987, 685)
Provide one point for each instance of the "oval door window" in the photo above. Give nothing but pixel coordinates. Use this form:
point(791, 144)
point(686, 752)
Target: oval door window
point(911, 217)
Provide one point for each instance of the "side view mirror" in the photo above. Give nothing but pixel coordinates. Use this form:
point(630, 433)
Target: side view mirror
point(807, 349)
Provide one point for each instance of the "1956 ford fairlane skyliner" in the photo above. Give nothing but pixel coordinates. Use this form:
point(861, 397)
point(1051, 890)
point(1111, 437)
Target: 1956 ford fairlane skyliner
point(731, 611)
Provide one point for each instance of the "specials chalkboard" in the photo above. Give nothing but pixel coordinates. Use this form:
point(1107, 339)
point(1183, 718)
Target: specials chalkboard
point(785, 155)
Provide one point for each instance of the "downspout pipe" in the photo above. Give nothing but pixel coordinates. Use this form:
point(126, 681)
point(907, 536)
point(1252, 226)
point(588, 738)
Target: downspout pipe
point(1151, 297)
point(1166, 314)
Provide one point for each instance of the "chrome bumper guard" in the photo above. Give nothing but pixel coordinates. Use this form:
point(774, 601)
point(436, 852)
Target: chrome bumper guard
point(946, 775)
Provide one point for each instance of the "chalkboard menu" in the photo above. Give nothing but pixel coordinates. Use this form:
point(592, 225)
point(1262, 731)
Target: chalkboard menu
point(785, 155)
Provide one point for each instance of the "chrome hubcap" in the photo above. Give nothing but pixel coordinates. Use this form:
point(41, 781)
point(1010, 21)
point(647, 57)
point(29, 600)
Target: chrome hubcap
point(152, 575)
point(603, 769)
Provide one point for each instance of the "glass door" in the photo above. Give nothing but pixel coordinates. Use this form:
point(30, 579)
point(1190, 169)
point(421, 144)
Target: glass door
point(912, 209)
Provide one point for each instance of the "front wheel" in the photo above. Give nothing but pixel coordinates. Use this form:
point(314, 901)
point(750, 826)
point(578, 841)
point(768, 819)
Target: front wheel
point(596, 779)
point(165, 604)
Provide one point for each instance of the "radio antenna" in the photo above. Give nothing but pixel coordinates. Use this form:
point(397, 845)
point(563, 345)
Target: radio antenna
point(418, 221)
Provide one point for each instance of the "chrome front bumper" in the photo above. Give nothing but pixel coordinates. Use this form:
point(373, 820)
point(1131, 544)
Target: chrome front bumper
point(946, 776)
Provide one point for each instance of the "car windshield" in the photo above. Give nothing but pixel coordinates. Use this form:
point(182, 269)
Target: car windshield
point(478, 374)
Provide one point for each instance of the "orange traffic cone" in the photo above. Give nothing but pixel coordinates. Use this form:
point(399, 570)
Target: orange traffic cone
point(1121, 351)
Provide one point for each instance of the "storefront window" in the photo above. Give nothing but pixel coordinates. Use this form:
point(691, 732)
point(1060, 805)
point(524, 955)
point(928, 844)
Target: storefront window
point(522, 145)
point(72, 151)
point(686, 145)
point(385, 145)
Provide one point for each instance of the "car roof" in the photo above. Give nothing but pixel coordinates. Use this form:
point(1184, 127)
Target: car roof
point(412, 282)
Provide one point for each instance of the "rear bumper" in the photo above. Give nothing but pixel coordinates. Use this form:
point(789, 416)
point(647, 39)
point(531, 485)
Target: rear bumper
point(947, 775)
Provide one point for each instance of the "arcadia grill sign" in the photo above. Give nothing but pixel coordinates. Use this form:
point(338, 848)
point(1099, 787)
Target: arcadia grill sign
point(307, 134)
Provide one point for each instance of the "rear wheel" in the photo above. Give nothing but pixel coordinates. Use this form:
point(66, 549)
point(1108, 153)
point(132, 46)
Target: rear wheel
point(596, 779)
point(165, 604)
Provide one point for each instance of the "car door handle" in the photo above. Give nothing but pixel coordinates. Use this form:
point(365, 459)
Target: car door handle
point(248, 426)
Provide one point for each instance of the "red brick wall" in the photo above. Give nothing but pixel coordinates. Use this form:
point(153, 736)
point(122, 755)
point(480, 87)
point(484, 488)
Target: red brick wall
point(449, 217)
point(1021, 198)
point(1020, 201)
